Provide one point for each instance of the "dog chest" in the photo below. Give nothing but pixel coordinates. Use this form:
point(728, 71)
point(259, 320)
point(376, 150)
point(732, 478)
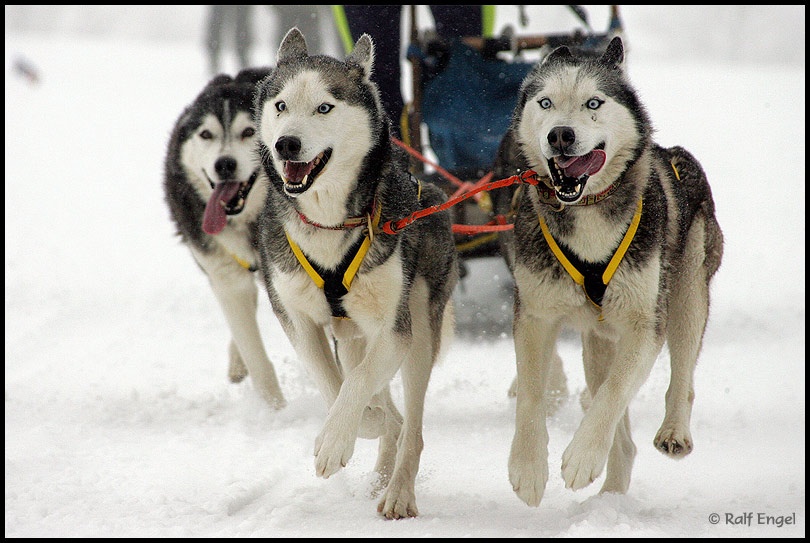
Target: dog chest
point(373, 297)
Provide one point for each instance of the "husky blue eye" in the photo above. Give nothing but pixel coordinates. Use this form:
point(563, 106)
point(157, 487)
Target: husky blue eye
point(248, 132)
point(545, 103)
point(281, 106)
point(594, 103)
point(325, 108)
point(206, 135)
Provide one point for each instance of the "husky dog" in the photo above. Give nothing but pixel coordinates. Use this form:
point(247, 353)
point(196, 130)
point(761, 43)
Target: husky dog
point(618, 240)
point(215, 189)
point(336, 177)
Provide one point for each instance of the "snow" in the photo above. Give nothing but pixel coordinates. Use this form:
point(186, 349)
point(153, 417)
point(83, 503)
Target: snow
point(120, 421)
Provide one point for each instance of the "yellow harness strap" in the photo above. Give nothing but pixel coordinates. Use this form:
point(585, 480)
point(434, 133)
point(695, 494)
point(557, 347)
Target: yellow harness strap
point(607, 275)
point(299, 254)
point(351, 271)
point(624, 245)
point(578, 278)
point(245, 264)
point(613, 265)
point(677, 175)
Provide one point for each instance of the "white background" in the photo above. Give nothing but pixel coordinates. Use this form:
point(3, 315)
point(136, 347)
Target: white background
point(119, 420)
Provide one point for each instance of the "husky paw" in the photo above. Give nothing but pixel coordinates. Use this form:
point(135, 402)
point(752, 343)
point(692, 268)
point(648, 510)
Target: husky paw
point(673, 440)
point(583, 461)
point(333, 449)
point(237, 371)
point(399, 501)
point(528, 479)
point(373, 423)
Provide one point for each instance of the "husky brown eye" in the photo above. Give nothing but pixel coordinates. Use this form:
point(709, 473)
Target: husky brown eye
point(248, 132)
point(206, 135)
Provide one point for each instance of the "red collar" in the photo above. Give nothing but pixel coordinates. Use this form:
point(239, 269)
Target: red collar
point(348, 224)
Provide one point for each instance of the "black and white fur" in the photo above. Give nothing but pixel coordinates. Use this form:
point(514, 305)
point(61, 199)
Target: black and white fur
point(214, 142)
point(659, 292)
point(321, 115)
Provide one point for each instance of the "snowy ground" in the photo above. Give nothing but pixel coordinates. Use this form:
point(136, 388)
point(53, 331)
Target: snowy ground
point(119, 420)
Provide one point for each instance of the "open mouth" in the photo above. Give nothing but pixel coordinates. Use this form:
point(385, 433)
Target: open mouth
point(569, 174)
point(228, 198)
point(299, 176)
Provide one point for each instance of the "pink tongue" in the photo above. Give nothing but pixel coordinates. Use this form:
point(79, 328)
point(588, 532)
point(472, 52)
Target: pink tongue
point(214, 218)
point(584, 165)
point(296, 171)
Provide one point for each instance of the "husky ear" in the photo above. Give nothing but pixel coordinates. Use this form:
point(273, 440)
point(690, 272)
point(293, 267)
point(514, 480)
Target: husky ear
point(363, 54)
point(614, 54)
point(293, 45)
point(558, 53)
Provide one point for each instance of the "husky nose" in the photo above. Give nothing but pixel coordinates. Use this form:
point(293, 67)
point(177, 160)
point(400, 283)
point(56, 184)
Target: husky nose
point(561, 138)
point(225, 167)
point(288, 147)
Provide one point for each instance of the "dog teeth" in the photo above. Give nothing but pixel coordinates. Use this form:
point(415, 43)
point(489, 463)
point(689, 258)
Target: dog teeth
point(308, 179)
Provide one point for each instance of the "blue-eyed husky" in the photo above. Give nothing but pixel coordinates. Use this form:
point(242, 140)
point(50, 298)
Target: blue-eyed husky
point(215, 189)
point(335, 178)
point(620, 241)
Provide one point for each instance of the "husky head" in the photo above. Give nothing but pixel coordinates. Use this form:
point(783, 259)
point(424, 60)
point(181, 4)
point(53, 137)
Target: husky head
point(217, 147)
point(320, 121)
point(579, 121)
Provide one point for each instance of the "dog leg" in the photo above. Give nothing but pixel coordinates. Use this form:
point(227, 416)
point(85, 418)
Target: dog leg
point(528, 458)
point(387, 450)
point(237, 293)
point(399, 500)
point(381, 418)
point(335, 444)
point(598, 355)
point(431, 331)
point(688, 312)
point(557, 385)
point(557, 388)
point(586, 455)
point(351, 349)
point(313, 349)
point(620, 459)
point(237, 370)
